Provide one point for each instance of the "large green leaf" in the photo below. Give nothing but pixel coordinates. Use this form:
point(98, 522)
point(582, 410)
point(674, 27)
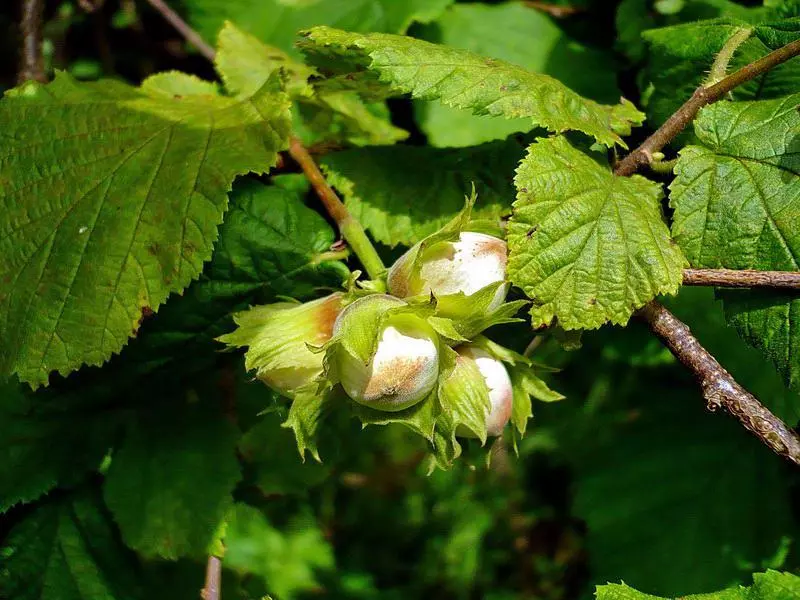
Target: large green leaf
point(276, 22)
point(170, 482)
point(372, 63)
point(68, 549)
point(512, 32)
point(117, 207)
point(587, 246)
point(49, 439)
point(680, 58)
point(270, 245)
point(402, 194)
point(737, 205)
point(771, 585)
point(287, 560)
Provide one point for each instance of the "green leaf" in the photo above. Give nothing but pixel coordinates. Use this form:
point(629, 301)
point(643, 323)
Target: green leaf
point(402, 194)
point(736, 201)
point(653, 469)
point(271, 467)
point(461, 79)
point(68, 549)
point(512, 32)
point(287, 560)
point(420, 418)
point(245, 63)
point(170, 482)
point(269, 245)
point(587, 246)
point(117, 208)
point(276, 22)
point(680, 58)
point(772, 585)
point(48, 440)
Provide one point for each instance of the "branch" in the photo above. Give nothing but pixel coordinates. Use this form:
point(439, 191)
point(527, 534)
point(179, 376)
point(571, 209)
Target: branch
point(702, 96)
point(211, 591)
point(32, 59)
point(745, 278)
point(349, 227)
point(719, 388)
point(183, 28)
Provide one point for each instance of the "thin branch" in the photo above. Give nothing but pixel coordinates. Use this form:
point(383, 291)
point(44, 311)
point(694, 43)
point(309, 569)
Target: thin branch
point(702, 96)
point(211, 591)
point(349, 227)
point(719, 387)
point(32, 59)
point(183, 28)
point(744, 278)
point(554, 10)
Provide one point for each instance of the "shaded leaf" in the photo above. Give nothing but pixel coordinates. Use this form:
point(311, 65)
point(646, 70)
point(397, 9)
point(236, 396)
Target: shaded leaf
point(402, 194)
point(68, 549)
point(170, 482)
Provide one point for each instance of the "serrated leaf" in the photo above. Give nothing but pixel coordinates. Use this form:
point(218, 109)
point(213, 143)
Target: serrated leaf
point(772, 585)
point(587, 246)
point(68, 549)
point(171, 480)
point(402, 194)
point(512, 32)
point(737, 200)
point(461, 79)
point(117, 208)
point(287, 560)
point(681, 56)
point(270, 245)
point(48, 440)
point(276, 22)
point(310, 407)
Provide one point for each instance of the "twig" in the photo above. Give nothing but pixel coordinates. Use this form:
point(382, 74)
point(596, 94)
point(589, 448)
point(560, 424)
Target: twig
point(743, 278)
point(719, 388)
point(211, 591)
point(349, 227)
point(183, 28)
point(554, 10)
point(702, 96)
point(32, 59)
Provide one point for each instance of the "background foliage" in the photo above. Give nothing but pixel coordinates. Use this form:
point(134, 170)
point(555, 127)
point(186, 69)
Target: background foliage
point(114, 480)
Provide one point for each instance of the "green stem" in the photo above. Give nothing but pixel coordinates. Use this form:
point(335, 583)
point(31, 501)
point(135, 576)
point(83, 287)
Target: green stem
point(663, 167)
point(357, 239)
point(349, 227)
point(331, 255)
point(720, 67)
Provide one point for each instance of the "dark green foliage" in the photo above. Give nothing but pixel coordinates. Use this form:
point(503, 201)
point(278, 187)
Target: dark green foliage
point(143, 209)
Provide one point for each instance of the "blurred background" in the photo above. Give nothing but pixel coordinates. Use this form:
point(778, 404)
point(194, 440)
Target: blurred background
point(629, 478)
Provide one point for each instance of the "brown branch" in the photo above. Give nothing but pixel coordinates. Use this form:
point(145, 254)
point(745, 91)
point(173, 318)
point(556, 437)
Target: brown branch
point(745, 278)
point(554, 10)
point(184, 29)
point(211, 591)
point(719, 387)
point(32, 59)
point(702, 96)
